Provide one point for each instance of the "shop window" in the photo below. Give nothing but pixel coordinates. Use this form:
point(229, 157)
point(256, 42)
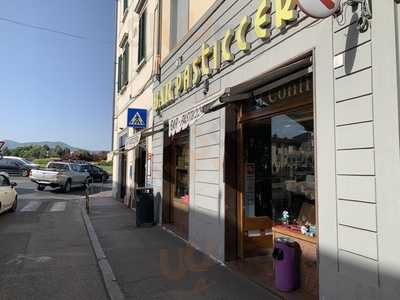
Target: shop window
point(276, 182)
point(142, 38)
point(279, 167)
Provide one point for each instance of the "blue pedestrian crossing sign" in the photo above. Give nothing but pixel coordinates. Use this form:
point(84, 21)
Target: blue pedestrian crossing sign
point(137, 118)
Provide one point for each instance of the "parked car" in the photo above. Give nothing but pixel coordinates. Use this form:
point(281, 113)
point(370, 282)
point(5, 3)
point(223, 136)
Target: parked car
point(14, 167)
point(96, 173)
point(60, 174)
point(8, 194)
point(23, 161)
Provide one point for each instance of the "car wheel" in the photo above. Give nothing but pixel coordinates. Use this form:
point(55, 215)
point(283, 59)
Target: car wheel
point(67, 187)
point(25, 173)
point(15, 205)
point(41, 187)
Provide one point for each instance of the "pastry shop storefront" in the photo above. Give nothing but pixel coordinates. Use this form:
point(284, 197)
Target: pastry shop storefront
point(265, 152)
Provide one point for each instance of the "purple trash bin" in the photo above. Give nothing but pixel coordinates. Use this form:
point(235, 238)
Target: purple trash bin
point(286, 258)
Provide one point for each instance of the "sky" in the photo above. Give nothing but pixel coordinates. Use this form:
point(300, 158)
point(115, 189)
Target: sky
point(54, 87)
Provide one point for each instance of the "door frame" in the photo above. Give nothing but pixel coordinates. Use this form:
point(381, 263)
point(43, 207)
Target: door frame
point(234, 187)
point(169, 181)
point(123, 173)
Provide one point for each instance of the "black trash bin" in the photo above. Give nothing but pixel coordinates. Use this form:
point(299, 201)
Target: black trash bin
point(144, 206)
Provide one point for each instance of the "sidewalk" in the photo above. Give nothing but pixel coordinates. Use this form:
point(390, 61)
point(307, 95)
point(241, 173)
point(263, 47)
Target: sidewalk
point(150, 263)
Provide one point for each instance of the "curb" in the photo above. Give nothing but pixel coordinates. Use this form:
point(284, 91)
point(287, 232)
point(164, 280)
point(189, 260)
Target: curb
point(113, 289)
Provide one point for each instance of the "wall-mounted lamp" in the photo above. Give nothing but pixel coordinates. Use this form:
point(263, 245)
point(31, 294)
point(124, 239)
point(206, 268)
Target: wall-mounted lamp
point(326, 8)
point(366, 13)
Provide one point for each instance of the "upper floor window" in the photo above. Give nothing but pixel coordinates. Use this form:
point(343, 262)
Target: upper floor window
point(123, 65)
point(125, 5)
point(179, 21)
point(142, 37)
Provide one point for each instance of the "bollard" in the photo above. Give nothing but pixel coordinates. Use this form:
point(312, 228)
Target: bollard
point(87, 199)
point(87, 195)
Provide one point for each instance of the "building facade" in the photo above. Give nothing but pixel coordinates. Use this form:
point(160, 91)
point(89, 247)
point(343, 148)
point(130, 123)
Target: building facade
point(275, 124)
point(135, 71)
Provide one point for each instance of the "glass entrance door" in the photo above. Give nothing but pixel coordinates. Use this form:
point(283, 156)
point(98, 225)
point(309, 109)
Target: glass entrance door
point(176, 183)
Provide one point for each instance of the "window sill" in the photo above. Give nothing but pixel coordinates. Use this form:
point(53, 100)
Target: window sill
point(141, 65)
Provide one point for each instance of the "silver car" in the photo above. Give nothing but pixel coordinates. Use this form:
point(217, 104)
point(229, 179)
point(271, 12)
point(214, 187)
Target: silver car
point(59, 174)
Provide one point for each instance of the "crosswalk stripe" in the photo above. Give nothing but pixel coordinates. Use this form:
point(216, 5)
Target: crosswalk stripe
point(31, 206)
point(59, 206)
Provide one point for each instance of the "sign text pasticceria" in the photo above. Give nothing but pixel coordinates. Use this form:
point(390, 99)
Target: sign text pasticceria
point(212, 57)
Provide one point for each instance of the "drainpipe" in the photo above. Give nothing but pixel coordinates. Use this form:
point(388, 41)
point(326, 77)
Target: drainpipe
point(114, 71)
point(159, 33)
point(116, 195)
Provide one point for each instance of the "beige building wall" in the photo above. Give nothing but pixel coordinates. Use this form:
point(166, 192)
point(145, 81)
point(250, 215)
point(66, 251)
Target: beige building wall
point(139, 90)
point(196, 10)
point(165, 28)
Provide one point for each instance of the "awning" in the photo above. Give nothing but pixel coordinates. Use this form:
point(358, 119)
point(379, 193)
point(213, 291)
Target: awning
point(133, 141)
point(293, 70)
point(152, 131)
point(188, 118)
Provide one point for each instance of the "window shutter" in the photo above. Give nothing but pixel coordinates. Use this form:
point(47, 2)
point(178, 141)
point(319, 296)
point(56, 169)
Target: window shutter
point(144, 34)
point(126, 64)
point(142, 37)
point(119, 73)
point(125, 5)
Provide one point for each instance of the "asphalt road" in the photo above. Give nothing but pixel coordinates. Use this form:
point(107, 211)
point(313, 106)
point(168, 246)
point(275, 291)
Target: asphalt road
point(45, 252)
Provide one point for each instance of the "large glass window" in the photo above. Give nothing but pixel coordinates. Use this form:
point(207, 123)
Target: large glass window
point(279, 166)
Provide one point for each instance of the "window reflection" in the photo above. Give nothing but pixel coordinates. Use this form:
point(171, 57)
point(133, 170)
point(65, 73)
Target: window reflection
point(182, 169)
point(279, 167)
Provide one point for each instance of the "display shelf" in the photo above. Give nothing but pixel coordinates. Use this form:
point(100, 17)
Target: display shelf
point(280, 229)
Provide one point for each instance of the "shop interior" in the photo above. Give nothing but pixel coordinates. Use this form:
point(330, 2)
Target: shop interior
point(277, 200)
point(176, 183)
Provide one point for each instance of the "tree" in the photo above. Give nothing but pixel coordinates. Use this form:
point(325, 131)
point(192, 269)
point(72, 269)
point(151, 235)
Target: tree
point(81, 155)
point(59, 151)
point(100, 156)
point(66, 154)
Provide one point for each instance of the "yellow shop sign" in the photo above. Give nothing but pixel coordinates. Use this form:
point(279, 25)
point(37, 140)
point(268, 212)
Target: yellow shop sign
point(212, 57)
